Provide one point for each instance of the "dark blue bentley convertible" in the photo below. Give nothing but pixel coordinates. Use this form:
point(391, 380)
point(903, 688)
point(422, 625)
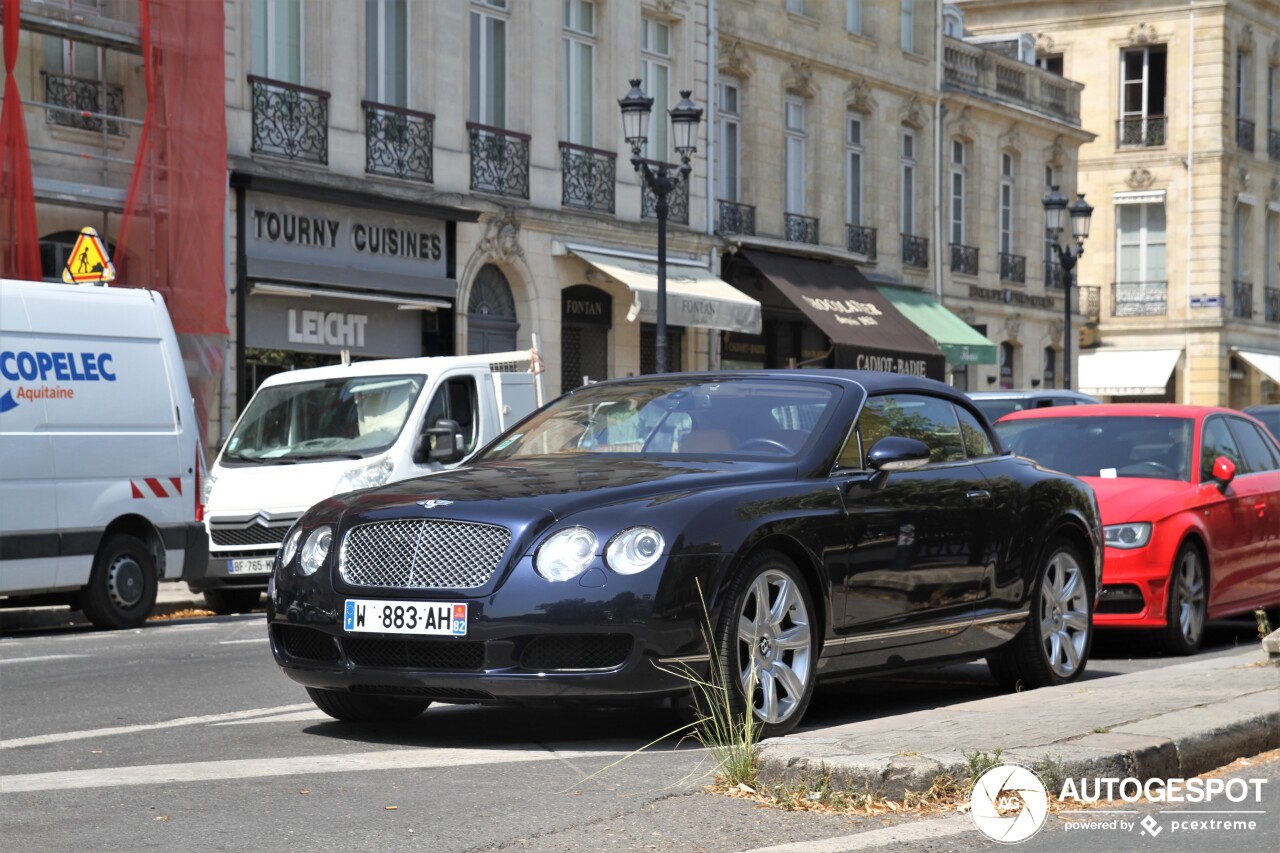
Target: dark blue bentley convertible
point(831, 523)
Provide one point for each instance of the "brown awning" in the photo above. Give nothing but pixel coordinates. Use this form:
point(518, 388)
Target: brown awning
point(868, 332)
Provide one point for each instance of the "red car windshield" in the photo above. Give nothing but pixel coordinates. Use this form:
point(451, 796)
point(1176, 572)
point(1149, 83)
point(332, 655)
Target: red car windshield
point(1105, 446)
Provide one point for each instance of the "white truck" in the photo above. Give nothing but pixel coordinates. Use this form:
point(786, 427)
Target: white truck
point(309, 434)
point(100, 456)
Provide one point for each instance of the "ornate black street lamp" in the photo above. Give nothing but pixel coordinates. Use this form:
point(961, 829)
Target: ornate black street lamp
point(1055, 206)
point(636, 107)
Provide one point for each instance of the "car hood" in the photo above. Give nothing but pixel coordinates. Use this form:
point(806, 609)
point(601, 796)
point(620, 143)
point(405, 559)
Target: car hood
point(508, 491)
point(1122, 499)
point(275, 487)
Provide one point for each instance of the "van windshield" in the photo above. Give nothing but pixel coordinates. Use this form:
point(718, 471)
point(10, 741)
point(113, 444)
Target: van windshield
point(342, 418)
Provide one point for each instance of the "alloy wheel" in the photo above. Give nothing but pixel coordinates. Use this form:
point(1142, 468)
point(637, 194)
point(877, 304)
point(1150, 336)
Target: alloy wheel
point(775, 647)
point(1189, 589)
point(1064, 614)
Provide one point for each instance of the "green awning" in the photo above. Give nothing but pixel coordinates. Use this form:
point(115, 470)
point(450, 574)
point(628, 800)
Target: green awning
point(957, 339)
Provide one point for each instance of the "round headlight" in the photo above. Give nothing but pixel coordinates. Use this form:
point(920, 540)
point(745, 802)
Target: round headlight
point(315, 549)
point(634, 550)
point(290, 547)
point(566, 554)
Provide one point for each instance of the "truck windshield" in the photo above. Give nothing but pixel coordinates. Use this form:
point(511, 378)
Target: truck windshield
point(340, 418)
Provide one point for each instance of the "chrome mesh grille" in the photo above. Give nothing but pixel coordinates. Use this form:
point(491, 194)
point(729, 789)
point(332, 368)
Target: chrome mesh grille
point(422, 554)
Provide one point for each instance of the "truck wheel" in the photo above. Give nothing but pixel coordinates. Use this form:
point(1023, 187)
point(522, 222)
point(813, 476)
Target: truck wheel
point(227, 601)
point(356, 708)
point(123, 584)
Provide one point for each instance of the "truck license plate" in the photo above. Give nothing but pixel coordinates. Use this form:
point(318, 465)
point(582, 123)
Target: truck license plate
point(251, 566)
point(423, 618)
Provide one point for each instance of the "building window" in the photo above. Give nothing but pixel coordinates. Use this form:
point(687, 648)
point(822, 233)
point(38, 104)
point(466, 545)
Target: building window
point(1050, 376)
point(853, 166)
point(578, 64)
point(1006, 203)
point(1050, 239)
point(908, 207)
point(795, 155)
point(853, 16)
point(1141, 243)
point(386, 27)
point(957, 191)
point(277, 40)
point(1271, 97)
point(655, 74)
point(1008, 354)
point(489, 63)
point(1244, 85)
point(1241, 245)
point(1051, 62)
point(1142, 94)
point(730, 140)
point(907, 22)
point(795, 7)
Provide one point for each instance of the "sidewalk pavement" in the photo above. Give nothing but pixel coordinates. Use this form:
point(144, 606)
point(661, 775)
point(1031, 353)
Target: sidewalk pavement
point(1175, 721)
point(172, 597)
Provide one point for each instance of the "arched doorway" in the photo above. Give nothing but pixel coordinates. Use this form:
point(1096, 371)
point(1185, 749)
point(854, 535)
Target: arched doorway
point(491, 313)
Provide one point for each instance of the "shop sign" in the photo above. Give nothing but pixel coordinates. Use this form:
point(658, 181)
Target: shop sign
point(585, 305)
point(1010, 297)
point(330, 325)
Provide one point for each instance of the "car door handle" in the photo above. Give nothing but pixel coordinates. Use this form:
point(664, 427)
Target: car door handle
point(978, 495)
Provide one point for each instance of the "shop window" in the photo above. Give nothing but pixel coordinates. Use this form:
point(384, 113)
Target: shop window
point(586, 315)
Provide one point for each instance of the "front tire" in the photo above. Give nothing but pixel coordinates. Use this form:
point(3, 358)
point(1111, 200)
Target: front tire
point(1053, 647)
point(122, 585)
point(357, 708)
point(768, 643)
point(1186, 603)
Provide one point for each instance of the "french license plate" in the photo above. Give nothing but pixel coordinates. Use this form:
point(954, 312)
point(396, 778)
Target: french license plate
point(251, 566)
point(423, 618)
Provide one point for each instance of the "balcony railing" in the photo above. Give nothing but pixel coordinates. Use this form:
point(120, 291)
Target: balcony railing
point(1139, 298)
point(398, 142)
point(1090, 303)
point(991, 74)
point(499, 160)
point(800, 228)
point(915, 251)
point(1013, 268)
point(1052, 275)
point(84, 101)
point(964, 259)
point(677, 201)
point(1242, 299)
point(1140, 131)
point(736, 218)
point(1271, 307)
point(1244, 134)
point(290, 121)
point(587, 177)
point(861, 240)
point(1273, 144)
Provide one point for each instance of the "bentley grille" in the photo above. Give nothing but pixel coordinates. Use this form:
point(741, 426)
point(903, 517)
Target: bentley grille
point(422, 554)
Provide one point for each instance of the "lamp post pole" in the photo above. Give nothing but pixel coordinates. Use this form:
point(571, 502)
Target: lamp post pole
point(636, 107)
point(1055, 206)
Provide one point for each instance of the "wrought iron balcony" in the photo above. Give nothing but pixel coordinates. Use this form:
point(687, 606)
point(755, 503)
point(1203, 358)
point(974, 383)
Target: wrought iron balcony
point(1271, 298)
point(736, 218)
point(799, 228)
point(1090, 303)
point(398, 142)
point(1139, 298)
point(499, 160)
point(1244, 134)
point(861, 240)
point(290, 121)
point(1140, 131)
point(588, 177)
point(1013, 268)
point(1052, 275)
point(964, 259)
point(915, 251)
point(1242, 299)
point(677, 201)
point(1273, 144)
point(84, 102)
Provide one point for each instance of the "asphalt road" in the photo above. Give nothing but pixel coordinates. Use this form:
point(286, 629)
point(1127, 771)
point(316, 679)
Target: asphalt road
point(185, 736)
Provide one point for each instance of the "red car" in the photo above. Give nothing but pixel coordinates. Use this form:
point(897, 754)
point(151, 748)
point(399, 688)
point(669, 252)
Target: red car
point(1190, 501)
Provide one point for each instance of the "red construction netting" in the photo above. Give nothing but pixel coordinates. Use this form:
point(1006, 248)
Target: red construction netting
point(19, 239)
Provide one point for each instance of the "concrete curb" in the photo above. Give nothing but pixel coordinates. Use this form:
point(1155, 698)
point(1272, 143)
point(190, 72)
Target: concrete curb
point(173, 598)
point(1178, 721)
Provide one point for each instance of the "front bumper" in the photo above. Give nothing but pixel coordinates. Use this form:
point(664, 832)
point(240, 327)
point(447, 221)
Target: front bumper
point(1135, 586)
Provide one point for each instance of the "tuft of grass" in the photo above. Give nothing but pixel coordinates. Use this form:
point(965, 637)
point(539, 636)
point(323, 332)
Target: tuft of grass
point(981, 762)
point(1264, 624)
point(1051, 772)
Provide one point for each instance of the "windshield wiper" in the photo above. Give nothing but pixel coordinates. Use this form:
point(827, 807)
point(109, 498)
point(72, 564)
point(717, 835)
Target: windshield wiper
point(311, 457)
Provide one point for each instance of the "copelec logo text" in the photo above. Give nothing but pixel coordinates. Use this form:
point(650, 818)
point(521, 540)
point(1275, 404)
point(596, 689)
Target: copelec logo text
point(24, 366)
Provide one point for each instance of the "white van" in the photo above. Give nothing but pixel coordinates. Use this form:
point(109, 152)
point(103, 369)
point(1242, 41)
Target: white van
point(309, 434)
point(100, 458)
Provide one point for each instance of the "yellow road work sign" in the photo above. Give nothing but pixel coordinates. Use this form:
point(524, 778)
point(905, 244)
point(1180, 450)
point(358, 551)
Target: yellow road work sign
point(88, 261)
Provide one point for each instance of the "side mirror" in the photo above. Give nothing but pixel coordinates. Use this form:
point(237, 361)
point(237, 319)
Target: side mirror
point(1224, 471)
point(443, 443)
point(895, 453)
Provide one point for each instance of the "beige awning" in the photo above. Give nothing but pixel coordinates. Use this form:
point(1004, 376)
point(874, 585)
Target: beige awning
point(695, 298)
point(1127, 372)
point(1267, 362)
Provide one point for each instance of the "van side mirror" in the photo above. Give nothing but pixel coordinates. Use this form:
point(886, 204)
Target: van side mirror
point(1224, 471)
point(443, 443)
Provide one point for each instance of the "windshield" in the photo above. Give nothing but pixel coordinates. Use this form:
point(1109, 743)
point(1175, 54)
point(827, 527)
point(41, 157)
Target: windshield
point(671, 415)
point(340, 418)
point(1105, 446)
